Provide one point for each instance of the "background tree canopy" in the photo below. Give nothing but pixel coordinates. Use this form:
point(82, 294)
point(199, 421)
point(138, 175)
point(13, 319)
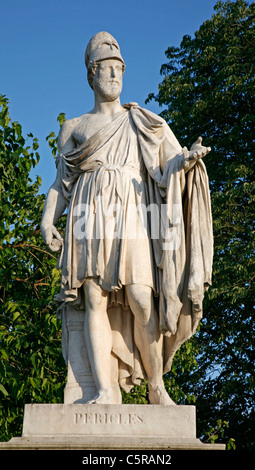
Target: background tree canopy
point(207, 89)
point(31, 364)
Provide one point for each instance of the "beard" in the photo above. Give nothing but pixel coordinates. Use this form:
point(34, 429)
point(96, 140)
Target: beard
point(109, 89)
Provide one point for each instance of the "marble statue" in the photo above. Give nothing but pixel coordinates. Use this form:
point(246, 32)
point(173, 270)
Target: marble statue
point(138, 247)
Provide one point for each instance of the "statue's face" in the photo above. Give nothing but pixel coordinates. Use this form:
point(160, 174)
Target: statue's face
point(108, 79)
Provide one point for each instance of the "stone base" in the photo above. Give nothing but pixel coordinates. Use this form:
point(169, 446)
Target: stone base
point(81, 427)
point(109, 420)
point(106, 443)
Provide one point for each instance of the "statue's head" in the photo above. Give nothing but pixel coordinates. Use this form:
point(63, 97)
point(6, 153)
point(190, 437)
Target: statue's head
point(104, 63)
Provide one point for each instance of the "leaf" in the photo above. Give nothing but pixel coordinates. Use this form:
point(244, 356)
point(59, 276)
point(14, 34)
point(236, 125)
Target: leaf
point(16, 315)
point(61, 118)
point(3, 390)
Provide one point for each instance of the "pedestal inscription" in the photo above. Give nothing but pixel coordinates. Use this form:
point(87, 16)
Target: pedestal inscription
point(111, 420)
point(107, 418)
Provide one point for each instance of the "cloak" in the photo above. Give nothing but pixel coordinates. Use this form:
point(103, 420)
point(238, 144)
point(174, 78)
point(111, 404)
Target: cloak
point(138, 152)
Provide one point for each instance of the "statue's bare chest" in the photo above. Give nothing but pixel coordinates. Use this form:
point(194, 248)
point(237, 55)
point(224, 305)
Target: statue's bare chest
point(88, 126)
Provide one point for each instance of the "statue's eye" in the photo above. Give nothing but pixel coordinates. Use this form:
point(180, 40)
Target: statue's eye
point(108, 44)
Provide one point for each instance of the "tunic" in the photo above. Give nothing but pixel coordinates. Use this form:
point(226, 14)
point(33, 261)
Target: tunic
point(111, 233)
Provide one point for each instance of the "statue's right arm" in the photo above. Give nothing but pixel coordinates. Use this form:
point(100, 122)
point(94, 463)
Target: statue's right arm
point(55, 203)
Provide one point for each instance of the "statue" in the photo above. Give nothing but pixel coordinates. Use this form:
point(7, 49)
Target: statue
point(138, 248)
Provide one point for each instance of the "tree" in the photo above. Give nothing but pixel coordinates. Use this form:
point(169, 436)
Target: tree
point(31, 364)
point(208, 89)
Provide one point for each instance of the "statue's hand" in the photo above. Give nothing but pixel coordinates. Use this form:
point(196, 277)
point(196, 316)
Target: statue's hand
point(197, 150)
point(52, 237)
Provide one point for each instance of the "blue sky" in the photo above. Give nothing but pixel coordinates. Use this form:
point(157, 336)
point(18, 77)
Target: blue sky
point(42, 55)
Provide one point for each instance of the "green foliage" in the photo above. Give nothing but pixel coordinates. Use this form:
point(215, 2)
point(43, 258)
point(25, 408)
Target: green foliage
point(213, 434)
point(31, 364)
point(52, 139)
point(139, 395)
point(208, 89)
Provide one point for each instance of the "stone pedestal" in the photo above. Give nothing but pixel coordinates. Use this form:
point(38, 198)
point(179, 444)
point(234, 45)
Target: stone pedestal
point(91, 427)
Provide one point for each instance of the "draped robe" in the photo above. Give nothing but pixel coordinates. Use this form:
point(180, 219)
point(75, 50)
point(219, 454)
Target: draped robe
point(136, 161)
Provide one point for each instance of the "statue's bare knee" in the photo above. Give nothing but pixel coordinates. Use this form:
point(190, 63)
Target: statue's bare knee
point(141, 302)
point(95, 296)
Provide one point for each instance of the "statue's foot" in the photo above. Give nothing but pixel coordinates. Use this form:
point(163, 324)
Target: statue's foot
point(103, 397)
point(159, 396)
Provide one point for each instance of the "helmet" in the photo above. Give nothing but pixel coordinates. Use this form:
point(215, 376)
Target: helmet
point(101, 47)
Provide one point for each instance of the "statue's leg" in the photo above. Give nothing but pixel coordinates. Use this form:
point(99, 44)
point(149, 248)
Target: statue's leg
point(98, 337)
point(149, 341)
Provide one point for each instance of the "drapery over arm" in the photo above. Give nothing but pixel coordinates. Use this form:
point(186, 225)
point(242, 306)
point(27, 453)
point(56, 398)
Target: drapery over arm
point(187, 242)
point(188, 251)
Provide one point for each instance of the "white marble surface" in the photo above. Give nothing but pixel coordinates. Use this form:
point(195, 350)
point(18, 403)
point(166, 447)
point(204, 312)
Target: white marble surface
point(117, 158)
